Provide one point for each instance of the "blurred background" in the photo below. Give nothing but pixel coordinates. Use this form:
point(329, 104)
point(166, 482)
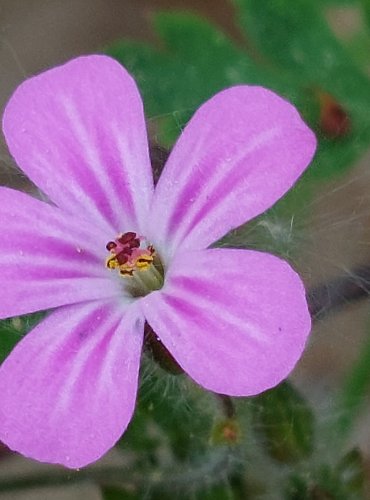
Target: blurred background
point(317, 54)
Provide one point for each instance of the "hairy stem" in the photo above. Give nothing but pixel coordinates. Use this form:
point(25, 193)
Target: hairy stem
point(227, 405)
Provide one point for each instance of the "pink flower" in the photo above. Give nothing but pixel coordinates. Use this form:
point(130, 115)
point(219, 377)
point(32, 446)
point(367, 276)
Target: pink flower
point(110, 252)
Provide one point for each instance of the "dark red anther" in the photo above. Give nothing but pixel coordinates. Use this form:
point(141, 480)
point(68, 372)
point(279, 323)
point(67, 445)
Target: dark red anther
point(110, 245)
point(126, 238)
point(126, 250)
point(122, 258)
point(135, 243)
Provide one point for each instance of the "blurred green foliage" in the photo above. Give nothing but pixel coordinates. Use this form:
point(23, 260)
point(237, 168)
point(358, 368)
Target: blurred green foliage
point(353, 394)
point(183, 442)
point(285, 423)
point(288, 47)
point(343, 481)
point(12, 330)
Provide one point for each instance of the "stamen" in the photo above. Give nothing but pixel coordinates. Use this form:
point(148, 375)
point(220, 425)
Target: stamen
point(137, 262)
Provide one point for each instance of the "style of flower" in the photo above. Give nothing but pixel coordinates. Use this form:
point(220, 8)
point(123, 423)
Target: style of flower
point(109, 252)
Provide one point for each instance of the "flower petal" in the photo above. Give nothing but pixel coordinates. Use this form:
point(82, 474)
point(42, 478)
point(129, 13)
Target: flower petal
point(78, 132)
point(241, 151)
point(48, 258)
point(235, 320)
point(68, 389)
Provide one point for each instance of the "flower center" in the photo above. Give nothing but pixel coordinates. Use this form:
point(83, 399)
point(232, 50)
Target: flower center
point(137, 261)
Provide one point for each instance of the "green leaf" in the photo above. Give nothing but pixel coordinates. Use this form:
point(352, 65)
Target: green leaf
point(345, 481)
point(296, 38)
point(366, 10)
point(219, 492)
point(338, 3)
point(304, 59)
point(297, 488)
point(197, 60)
point(115, 493)
point(285, 423)
point(352, 395)
point(351, 470)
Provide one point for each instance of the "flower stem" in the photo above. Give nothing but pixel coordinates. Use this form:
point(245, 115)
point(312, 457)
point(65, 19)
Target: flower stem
point(227, 405)
point(159, 352)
